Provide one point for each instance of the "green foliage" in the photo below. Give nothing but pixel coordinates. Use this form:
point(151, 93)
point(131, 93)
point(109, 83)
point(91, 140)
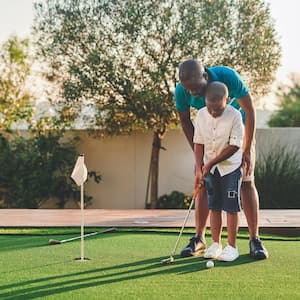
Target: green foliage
point(121, 57)
point(36, 169)
point(174, 200)
point(277, 177)
point(15, 99)
point(288, 114)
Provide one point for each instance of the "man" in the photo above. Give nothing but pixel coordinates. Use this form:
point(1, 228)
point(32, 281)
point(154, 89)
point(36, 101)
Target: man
point(190, 92)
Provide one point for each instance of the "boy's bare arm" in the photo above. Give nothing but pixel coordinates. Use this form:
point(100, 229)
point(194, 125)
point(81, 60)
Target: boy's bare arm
point(225, 154)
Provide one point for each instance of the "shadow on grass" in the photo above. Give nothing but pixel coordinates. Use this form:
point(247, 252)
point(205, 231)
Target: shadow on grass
point(243, 259)
point(53, 285)
point(10, 242)
point(21, 242)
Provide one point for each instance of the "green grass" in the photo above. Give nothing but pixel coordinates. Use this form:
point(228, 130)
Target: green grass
point(126, 265)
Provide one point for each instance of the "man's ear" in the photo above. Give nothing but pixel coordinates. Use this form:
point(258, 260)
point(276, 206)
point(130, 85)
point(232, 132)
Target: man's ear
point(205, 76)
point(227, 100)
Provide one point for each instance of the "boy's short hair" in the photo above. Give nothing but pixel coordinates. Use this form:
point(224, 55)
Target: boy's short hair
point(216, 91)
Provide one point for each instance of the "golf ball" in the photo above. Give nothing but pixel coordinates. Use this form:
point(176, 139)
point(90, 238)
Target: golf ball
point(210, 264)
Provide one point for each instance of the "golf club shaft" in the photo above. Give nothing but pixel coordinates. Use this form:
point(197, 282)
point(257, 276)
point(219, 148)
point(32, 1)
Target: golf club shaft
point(184, 223)
point(88, 234)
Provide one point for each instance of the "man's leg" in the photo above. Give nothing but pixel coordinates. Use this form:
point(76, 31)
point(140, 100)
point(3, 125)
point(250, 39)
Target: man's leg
point(201, 214)
point(250, 204)
point(197, 243)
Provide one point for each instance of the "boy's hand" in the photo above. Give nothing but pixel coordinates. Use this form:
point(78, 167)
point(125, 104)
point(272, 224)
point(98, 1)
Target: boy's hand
point(206, 169)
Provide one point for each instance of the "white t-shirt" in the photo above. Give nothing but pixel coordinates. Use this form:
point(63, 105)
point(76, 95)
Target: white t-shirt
point(218, 133)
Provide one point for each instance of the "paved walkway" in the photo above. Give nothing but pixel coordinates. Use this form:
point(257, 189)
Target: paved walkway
point(286, 222)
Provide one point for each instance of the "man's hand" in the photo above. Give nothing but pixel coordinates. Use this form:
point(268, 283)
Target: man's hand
point(199, 181)
point(246, 162)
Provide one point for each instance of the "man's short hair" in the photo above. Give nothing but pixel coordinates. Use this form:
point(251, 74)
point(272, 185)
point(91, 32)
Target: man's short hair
point(190, 69)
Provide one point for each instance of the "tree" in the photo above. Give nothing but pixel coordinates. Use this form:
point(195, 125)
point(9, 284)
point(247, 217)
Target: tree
point(121, 57)
point(288, 114)
point(15, 98)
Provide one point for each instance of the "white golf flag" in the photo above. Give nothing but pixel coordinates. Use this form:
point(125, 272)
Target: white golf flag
point(79, 174)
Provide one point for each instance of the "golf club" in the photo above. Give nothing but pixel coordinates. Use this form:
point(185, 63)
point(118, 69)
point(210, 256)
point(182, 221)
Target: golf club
point(171, 258)
point(55, 242)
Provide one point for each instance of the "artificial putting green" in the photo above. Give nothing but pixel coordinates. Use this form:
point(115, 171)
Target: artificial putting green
point(126, 265)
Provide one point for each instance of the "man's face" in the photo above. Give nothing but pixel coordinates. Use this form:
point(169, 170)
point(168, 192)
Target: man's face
point(216, 108)
point(196, 87)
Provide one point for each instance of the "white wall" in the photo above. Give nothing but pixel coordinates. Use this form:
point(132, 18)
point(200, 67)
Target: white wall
point(124, 161)
point(268, 138)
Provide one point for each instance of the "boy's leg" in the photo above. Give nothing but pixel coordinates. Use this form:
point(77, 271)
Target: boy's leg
point(216, 225)
point(230, 252)
point(231, 185)
point(215, 248)
point(232, 227)
point(215, 208)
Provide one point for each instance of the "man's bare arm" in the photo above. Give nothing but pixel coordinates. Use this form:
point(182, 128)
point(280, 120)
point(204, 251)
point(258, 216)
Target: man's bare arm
point(187, 126)
point(246, 104)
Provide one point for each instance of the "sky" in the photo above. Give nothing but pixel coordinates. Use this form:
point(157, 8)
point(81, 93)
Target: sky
point(16, 17)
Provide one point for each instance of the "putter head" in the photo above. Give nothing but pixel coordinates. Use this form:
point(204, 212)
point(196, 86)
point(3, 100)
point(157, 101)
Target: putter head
point(54, 242)
point(167, 261)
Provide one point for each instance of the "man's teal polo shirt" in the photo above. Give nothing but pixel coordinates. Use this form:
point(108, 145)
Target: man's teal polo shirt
point(236, 88)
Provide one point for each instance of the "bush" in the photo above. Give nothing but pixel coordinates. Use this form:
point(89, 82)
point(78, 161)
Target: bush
point(174, 200)
point(36, 169)
point(277, 176)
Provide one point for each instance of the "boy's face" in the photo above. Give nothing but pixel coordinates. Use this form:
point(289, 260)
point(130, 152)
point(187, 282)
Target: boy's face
point(216, 108)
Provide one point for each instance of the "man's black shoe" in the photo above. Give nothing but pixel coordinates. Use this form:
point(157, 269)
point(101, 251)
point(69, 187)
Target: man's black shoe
point(257, 249)
point(194, 247)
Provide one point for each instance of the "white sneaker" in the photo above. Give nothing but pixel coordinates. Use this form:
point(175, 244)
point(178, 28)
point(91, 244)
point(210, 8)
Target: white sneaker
point(213, 251)
point(229, 253)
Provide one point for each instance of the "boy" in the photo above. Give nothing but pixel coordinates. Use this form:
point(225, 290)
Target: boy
point(218, 140)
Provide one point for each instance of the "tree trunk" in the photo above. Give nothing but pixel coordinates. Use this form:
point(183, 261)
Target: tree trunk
point(156, 146)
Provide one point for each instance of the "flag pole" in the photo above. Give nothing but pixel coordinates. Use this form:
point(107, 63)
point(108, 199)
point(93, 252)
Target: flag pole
point(79, 175)
point(82, 223)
